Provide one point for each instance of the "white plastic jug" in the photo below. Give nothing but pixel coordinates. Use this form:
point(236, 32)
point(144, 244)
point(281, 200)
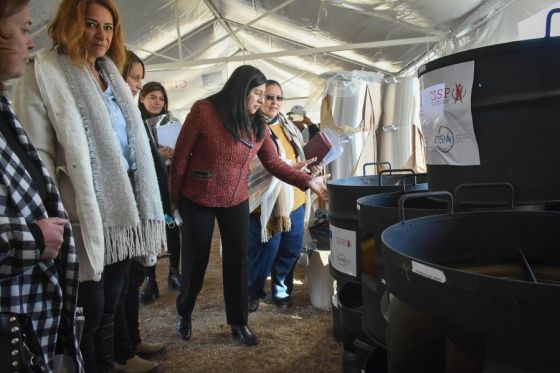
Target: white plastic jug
point(319, 280)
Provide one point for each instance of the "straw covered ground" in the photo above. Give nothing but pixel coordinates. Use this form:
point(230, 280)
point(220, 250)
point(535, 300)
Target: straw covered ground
point(297, 340)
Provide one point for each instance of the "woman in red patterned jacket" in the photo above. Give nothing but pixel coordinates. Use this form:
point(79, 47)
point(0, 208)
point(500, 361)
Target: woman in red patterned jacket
point(209, 173)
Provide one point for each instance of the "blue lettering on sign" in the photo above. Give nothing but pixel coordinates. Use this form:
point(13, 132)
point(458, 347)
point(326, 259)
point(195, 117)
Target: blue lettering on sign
point(444, 139)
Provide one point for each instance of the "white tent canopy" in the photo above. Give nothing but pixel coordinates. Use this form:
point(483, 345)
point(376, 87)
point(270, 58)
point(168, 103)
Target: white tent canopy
point(193, 45)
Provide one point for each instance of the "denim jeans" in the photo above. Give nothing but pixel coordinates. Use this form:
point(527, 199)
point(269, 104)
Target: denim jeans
point(276, 257)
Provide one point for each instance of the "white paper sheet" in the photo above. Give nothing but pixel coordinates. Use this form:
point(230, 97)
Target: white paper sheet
point(446, 115)
point(343, 250)
point(167, 135)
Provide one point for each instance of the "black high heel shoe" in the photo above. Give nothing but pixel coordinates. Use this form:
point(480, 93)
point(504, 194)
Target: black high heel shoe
point(151, 290)
point(243, 334)
point(184, 327)
point(174, 280)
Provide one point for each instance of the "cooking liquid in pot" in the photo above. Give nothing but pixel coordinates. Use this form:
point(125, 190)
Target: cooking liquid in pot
point(514, 271)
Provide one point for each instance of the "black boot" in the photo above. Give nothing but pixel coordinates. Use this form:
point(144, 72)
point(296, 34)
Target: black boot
point(253, 303)
point(184, 327)
point(150, 291)
point(174, 279)
point(243, 334)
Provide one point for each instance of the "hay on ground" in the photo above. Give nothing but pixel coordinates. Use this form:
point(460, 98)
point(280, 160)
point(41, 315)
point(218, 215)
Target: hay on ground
point(297, 340)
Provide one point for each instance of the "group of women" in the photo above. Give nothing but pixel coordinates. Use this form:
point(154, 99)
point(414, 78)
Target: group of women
point(80, 184)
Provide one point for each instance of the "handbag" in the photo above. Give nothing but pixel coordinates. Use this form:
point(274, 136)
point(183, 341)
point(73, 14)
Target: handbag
point(19, 347)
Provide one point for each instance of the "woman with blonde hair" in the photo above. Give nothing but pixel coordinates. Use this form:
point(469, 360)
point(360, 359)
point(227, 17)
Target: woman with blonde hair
point(80, 114)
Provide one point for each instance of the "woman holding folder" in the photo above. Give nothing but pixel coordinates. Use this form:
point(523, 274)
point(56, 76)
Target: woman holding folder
point(277, 224)
point(153, 104)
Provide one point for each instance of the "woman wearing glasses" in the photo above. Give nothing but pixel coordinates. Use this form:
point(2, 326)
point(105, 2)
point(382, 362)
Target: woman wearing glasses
point(277, 224)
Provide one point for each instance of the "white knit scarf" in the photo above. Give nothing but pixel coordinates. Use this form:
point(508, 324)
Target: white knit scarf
point(131, 213)
point(277, 201)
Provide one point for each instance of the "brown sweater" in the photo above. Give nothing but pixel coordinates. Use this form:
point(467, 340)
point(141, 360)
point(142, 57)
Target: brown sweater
point(211, 169)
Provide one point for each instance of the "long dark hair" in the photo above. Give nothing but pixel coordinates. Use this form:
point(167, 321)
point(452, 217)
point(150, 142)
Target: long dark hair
point(231, 103)
point(150, 87)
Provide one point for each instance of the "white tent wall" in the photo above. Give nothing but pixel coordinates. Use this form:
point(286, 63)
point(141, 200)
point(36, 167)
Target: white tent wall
point(185, 86)
point(193, 45)
point(493, 23)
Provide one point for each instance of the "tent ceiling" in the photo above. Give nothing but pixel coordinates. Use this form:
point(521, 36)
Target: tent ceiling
point(298, 40)
point(224, 28)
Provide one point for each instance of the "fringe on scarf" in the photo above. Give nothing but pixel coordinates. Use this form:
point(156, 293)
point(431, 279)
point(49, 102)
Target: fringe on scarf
point(276, 225)
point(136, 241)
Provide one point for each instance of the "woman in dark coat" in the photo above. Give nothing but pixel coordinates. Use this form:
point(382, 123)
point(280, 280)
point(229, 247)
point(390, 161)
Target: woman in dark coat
point(153, 104)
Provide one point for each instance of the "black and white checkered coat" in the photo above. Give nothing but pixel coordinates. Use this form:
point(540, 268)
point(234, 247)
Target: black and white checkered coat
point(46, 290)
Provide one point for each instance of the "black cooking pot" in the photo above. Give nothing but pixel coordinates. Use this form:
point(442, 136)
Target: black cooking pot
point(346, 259)
point(344, 192)
point(376, 213)
point(515, 110)
point(347, 256)
point(492, 278)
point(416, 343)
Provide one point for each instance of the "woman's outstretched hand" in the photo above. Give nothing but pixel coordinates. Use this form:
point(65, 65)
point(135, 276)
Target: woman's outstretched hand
point(318, 184)
point(302, 166)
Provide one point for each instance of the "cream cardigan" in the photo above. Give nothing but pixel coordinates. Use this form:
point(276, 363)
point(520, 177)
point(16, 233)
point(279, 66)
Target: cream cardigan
point(46, 107)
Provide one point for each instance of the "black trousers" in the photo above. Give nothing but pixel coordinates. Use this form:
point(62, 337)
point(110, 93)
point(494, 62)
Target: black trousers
point(173, 246)
point(99, 300)
point(197, 231)
point(127, 327)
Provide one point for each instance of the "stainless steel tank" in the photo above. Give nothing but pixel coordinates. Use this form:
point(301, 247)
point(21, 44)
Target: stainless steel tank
point(400, 110)
point(347, 93)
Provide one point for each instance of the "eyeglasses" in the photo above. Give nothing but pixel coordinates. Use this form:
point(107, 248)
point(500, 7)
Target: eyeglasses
point(272, 97)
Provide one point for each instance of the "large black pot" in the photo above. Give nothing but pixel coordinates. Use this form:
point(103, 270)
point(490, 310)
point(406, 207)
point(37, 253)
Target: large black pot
point(346, 259)
point(377, 212)
point(515, 111)
point(473, 272)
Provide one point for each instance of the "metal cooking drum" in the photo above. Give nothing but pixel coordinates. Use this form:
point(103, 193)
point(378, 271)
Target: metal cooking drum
point(346, 258)
point(515, 106)
point(491, 277)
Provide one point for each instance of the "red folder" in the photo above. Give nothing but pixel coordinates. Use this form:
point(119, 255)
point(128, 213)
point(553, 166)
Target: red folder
point(318, 146)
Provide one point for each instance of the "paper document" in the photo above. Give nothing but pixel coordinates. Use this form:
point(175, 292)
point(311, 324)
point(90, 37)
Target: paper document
point(167, 135)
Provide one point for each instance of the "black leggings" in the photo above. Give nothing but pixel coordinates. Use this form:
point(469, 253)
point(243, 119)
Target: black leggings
point(99, 300)
point(197, 233)
point(173, 247)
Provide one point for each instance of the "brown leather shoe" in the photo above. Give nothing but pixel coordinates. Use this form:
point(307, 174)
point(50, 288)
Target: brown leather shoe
point(148, 350)
point(138, 365)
